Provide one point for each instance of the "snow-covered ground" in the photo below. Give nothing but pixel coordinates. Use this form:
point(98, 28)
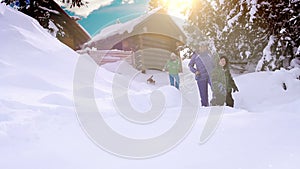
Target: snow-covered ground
point(39, 127)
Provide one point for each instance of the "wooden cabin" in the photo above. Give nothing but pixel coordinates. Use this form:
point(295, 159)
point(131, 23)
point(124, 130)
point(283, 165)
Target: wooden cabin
point(151, 37)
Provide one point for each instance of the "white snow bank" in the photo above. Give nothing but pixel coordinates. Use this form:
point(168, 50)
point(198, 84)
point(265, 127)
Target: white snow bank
point(27, 48)
point(2, 9)
point(264, 91)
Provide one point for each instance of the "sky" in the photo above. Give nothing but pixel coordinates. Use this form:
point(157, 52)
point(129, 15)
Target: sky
point(101, 13)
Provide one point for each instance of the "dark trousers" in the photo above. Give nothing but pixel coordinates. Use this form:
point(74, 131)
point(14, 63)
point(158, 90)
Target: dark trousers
point(229, 99)
point(203, 89)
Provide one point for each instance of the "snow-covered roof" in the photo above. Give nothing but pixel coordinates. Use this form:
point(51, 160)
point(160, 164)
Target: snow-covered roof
point(120, 28)
point(155, 29)
point(129, 26)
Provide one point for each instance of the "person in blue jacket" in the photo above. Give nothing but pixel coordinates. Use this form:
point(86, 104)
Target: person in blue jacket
point(201, 65)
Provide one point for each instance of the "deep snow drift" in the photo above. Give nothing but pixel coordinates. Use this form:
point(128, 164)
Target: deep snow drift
point(39, 126)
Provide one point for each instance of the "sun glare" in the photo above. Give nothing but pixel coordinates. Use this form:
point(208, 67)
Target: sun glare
point(176, 7)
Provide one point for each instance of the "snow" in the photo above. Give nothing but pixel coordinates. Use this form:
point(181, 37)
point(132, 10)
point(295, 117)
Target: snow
point(270, 88)
point(248, 53)
point(2, 9)
point(75, 18)
point(39, 127)
point(50, 10)
point(295, 62)
point(253, 10)
point(232, 19)
point(86, 9)
point(90, 7)
point(267, 54)
point(120, 28)
point(127, 1)
point(54, 28)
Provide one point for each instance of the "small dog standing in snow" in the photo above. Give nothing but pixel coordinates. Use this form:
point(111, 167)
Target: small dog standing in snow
point(150, 80)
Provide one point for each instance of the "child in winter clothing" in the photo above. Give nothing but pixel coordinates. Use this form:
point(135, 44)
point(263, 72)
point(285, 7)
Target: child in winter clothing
point(230, 84)
point(173, 67)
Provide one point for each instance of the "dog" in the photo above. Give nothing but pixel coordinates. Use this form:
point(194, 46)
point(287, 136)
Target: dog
point(150, 80)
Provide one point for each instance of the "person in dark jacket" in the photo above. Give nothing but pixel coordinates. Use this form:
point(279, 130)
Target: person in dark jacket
point(230, 84)
point(200, 64)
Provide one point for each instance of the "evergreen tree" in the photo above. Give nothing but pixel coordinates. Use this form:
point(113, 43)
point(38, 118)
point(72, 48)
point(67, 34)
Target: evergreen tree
point(283, 32)
point(74, 3)
point(41, 10)
point(249, 30)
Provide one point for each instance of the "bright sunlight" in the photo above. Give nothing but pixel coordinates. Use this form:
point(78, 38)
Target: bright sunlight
point(176, 7)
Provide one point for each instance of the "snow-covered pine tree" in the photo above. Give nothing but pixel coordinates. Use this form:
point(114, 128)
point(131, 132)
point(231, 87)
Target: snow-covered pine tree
point(243, 38)
point(282, 18)
point(74, 3)
point(250, 30)
point(200, 26)
point(226, 23)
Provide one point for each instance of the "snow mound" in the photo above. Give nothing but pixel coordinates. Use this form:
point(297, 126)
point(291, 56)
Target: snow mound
point(261, 91)
point(172, 96)
point(2, 9)
point(32, 50)
point(57, 99)
point(23, 80)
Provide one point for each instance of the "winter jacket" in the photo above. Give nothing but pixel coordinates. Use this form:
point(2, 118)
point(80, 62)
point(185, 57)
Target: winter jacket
point(218, 86)
point(173, 67)
point(222, 85)
point(230, 84)
point(203, 63)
